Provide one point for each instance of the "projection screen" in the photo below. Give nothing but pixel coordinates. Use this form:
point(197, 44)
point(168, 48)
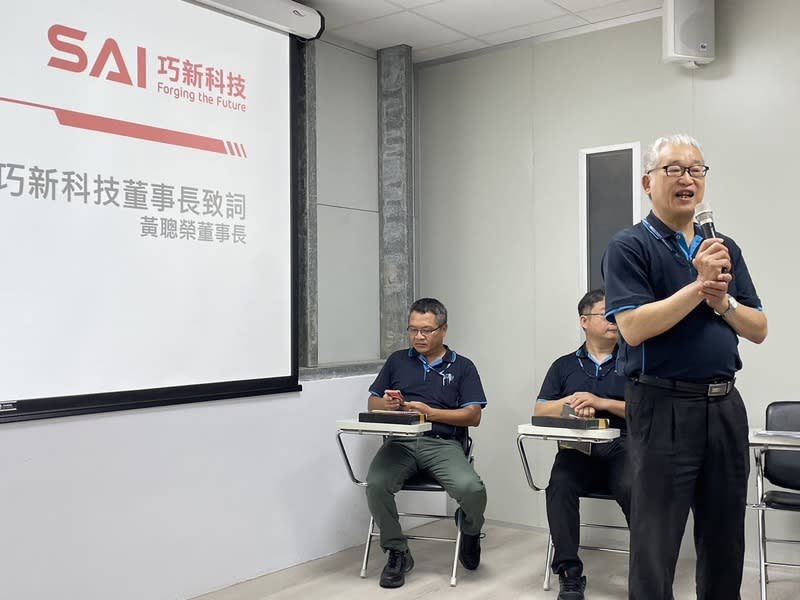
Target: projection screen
point(146, 174)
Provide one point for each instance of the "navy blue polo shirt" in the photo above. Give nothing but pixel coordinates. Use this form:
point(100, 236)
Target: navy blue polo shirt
point(649, 262)
point(450, 382)
point(579, 371)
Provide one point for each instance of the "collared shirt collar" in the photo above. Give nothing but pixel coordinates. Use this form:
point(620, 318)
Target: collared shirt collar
point(659, 230)
point(449, 355)
point(582, 352)
point(664, 230)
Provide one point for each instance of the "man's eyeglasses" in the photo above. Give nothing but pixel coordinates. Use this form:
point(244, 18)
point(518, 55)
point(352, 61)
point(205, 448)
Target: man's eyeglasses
point(413, 331)
point(594, 315)
point(695, 171)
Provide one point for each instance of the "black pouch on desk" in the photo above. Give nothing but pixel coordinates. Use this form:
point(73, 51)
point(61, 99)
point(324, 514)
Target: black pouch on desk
point(396, 417)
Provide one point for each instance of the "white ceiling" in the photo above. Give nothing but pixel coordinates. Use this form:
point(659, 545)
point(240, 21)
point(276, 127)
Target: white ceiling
point(438, 28)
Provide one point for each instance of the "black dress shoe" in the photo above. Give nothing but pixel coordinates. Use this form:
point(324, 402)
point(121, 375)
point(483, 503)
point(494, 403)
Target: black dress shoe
point(470, 552)
point(394, 573)
point(571, 584)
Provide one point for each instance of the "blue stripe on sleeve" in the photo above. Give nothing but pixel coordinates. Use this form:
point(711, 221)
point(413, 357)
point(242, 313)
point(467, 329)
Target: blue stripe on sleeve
point(620, 309)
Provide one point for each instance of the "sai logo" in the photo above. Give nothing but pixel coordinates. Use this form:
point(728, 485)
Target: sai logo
point(64, 39)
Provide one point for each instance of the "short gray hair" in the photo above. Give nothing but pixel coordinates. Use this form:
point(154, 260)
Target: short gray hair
point(653, 155)
point(433, 306)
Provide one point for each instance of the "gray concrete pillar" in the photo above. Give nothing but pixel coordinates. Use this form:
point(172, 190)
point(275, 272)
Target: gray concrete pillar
point(307, 213)
point(395, 201)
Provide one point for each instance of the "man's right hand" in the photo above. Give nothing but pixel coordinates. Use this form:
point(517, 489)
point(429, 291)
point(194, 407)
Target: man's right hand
point(393, 399)
point(712, 261)
point(585, 404)
point(713, 264)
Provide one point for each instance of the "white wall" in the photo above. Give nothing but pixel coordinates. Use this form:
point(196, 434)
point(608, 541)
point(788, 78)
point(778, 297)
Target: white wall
point(347, 204)
point(172, 502)
point(476, 236)
point(500, 135)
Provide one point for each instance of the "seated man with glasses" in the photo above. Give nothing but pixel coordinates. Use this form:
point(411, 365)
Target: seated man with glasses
point(587, 381)
point(431, 379)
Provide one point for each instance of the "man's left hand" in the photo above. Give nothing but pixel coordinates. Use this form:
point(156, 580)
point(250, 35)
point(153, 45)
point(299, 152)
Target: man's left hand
point(420, 407)
point(716, 295)
point(586, 404)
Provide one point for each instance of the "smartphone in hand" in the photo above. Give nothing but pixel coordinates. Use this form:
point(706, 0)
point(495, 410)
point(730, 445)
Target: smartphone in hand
point(397, 395)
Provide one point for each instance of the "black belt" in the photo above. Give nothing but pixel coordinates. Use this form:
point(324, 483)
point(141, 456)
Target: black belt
point(444, 436)
point(717, 388)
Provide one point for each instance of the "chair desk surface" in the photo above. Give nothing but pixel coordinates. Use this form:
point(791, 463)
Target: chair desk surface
point(356, 426)
point(774, 440)
point(597, 436)
point(537, 432)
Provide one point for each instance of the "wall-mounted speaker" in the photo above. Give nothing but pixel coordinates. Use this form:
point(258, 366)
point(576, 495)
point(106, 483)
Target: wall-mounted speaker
point(688, 32)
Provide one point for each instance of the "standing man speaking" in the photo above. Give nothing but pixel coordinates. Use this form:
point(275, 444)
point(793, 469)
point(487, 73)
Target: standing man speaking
point(681, 303)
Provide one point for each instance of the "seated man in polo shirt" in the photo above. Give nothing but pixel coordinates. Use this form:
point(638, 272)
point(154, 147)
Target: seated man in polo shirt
point(446, 388)
point(587, 380)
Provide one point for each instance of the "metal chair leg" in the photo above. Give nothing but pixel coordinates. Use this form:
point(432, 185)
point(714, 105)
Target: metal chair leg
point(762, 555)
point(548, 560)
point(367, 546)
point(459, 522)
point(763, 580)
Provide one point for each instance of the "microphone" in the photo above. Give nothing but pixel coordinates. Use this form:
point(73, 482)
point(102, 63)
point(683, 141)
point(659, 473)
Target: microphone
point(705, 218)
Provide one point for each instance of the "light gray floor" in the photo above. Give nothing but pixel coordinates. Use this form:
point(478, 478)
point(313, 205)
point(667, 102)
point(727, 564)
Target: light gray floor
point(511, 568)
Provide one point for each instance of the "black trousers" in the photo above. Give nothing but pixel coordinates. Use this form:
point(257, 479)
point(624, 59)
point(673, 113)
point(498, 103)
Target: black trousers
point(686, 451)
point(573, 475)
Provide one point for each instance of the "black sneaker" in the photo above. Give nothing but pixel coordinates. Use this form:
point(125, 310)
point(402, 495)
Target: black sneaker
point(394, 573)
point(470, 552)
point(572, 584)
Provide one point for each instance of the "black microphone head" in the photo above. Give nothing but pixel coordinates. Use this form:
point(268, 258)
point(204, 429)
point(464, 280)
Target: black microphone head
point(703, 213)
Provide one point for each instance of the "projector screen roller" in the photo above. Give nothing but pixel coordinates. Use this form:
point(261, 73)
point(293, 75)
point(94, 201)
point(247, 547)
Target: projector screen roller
point(146, 188)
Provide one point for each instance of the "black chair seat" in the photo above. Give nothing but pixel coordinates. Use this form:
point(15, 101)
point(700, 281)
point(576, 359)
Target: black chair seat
point(782, 500)
point(422, 482)
point(599, 496)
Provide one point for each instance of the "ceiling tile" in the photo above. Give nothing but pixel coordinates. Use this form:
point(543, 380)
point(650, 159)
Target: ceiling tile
point(412, 3)
point(579, 5)
point(446, 24)
point(619, 9)
point(400, 28)
point(447, 49)
point(475, 17)
point(534, 29)
point(340, 13)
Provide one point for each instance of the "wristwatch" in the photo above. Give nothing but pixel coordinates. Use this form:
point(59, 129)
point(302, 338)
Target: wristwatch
point(732, 306)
